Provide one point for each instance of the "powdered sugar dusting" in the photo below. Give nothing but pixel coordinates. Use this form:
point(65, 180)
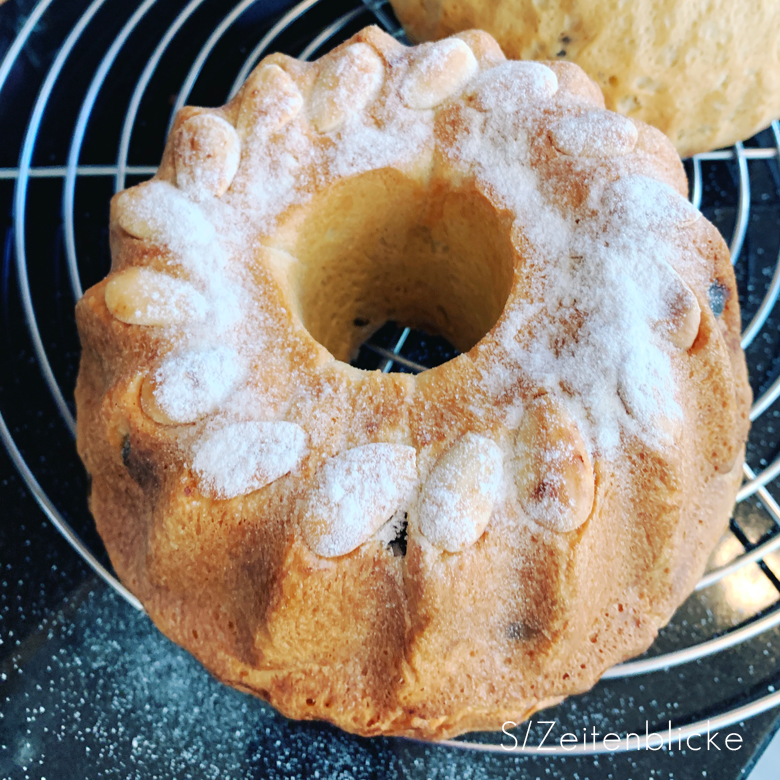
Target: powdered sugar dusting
point(345, 86)
point(158, 211)
point(356, 493)
point(594, 134)
point(646, 204)
point(392, 529)
point(207, 152)
point(191, 384)
point(364, 147)
point(141, 296)
point(239, 458)
point(584, 325)
point(592, 336)
point(458, 498)
point(271, 99)
point(552, 470)
point(278, 177)
point(441, 70)
point(509, 85)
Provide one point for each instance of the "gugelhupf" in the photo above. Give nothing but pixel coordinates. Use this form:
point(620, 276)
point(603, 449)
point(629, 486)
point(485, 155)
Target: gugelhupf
point(401, 554)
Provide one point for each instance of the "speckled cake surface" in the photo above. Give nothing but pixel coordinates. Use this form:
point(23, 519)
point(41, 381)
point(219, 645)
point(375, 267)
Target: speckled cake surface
point(705, 73)
point(559, 484)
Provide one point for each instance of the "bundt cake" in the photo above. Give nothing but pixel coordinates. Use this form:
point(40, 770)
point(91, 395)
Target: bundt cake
point(395, 553)
point(706, 73)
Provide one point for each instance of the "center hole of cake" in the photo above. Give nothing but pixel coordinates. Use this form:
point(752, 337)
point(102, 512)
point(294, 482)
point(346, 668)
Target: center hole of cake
point(382, 248)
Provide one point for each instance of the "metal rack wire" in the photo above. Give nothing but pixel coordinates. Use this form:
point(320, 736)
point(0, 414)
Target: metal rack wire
point(314, 39)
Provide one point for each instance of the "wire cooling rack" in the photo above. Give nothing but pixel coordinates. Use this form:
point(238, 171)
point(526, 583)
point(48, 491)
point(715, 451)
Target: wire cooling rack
point(134, 67)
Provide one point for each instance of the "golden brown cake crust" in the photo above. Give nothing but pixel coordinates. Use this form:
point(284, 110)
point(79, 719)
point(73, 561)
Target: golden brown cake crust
point(562, 482)
point(705, 73)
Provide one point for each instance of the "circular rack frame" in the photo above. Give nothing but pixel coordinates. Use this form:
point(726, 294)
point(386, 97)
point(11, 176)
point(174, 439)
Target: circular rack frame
point(318, 40)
